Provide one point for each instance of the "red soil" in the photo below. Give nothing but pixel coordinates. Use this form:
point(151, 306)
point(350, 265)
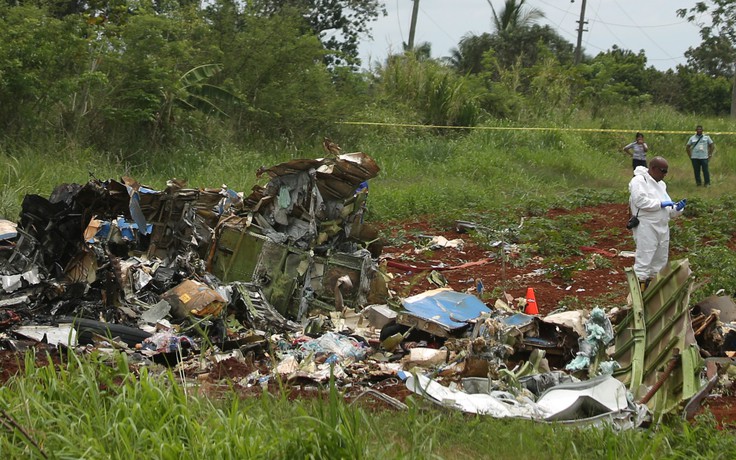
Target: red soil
point(602, 283)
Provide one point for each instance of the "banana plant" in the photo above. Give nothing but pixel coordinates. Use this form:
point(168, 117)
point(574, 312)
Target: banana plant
point(191, 92)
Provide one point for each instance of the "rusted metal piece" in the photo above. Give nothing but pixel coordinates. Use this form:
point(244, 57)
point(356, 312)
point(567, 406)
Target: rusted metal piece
point(665, 375)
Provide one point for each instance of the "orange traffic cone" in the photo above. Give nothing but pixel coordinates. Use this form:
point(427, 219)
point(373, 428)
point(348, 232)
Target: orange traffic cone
point(531, 303)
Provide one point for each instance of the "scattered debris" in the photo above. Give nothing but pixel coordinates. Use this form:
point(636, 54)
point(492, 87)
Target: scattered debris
point(288, 281)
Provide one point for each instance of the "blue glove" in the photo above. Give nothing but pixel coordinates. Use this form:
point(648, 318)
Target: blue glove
point(680, 205)
point(664, 204)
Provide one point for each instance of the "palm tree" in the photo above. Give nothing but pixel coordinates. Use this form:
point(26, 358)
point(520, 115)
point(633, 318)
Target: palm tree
point(422, 51)
point(468, 56)
point(514, 19)
point(514, 15)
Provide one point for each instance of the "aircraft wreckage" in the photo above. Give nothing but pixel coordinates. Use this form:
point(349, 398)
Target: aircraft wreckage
point(292, 274)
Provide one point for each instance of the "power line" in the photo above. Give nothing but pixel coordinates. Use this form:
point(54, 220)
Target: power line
point(655, 26)
point(398, 21)
point(596, 21)
point(642, 31)
point(660, 26)
point(437, 25)
point(608, 29)
point(564, 16)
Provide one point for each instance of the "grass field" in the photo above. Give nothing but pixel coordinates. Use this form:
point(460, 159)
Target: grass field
point(422, 172)
point(92, 408)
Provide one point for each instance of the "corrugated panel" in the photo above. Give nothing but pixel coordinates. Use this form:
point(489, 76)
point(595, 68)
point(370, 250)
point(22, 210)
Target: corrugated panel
point(657, 332)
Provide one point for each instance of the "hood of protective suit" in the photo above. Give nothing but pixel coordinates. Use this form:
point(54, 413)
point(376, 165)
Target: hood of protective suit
point(641, 170)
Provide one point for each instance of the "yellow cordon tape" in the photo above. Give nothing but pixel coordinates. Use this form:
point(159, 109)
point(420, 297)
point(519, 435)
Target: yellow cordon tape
point(521, 128)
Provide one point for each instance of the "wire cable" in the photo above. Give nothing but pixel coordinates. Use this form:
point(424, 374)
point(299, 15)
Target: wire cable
point(618, 39)
point(654, 42)
point(431, 19)
point(655, 26)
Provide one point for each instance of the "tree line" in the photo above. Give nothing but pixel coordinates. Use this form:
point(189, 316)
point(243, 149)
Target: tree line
point(127, 75)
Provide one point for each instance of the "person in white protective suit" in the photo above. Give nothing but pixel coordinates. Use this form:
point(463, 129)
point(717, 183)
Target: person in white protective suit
point(652, 205)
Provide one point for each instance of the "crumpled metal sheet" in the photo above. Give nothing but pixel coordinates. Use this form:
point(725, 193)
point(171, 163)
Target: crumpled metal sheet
point(592, 402)
point(313, 202)
point(337, 177)
point(255, 311)
point(301, 233)
point(11, 283)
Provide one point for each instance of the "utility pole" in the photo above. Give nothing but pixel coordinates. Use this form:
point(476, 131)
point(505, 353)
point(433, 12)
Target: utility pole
point(413, 28)
point(581, 25)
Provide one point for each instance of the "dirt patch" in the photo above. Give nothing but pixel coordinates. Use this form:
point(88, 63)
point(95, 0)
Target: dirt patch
point(723, 409)
point(13, 363)
point(231, 368)
point(596, 276)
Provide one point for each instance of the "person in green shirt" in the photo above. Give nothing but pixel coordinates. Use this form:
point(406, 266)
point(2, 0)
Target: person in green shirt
point(700, 148)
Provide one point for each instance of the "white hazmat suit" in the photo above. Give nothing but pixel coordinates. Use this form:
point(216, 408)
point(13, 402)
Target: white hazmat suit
point(652, 235)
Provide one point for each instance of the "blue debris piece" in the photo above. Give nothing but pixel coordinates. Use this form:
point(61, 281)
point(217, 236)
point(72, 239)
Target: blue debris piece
point(102, 234)
point(136, 212)
point(127, 229)
point(450, 309)
point(518, 320)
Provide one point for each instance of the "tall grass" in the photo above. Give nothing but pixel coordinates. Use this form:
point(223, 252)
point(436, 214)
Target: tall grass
point(484, 169)
point(450, 174)
point(96, 408)
point(38, 170)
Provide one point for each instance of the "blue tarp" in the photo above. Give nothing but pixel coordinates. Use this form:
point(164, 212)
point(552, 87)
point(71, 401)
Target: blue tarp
point(449, 308)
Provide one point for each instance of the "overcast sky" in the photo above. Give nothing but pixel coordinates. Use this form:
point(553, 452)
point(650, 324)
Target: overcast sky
point(651, 25)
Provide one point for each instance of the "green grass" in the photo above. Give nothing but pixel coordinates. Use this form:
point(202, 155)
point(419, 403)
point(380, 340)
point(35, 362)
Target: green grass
point(447, 175)
point(30, 170)
point(95, 408)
